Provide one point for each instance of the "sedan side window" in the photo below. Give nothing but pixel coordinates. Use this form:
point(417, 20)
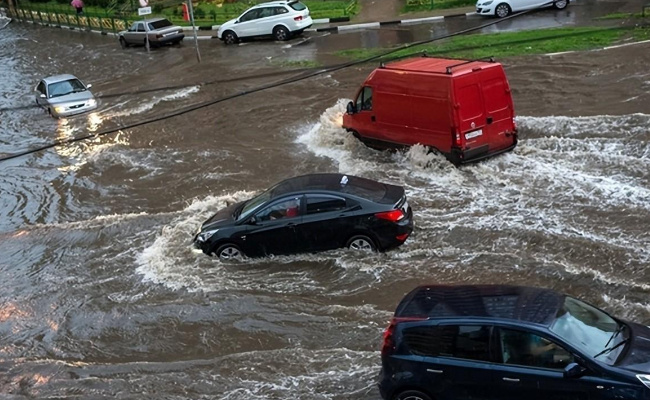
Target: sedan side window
point(284, 209)
point(467, 342)
point(141, 28)
point(524, 348)
point(323, 204)
point(134, 27)
point(364, 101)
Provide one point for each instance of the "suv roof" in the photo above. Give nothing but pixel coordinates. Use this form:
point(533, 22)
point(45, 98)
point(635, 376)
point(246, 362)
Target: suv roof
point(275, 3)
point(530, 304)
point(354, 185)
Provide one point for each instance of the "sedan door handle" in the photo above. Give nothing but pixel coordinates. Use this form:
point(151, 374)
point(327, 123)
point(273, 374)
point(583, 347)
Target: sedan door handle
point(435, 371)
point(511, 379)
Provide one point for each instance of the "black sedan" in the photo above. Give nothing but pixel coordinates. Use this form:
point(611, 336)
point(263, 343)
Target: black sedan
point(310, 213)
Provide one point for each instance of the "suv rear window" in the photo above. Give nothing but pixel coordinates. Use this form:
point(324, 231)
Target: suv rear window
point(163, 23)
point(298, 6)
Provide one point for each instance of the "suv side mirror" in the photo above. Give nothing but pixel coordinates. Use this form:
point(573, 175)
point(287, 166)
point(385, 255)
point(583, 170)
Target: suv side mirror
point(574, 370)
point(351, 109)
point(88, 86)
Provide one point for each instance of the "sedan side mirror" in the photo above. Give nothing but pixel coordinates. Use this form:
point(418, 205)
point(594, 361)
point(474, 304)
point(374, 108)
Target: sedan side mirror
point(574, 370)
point(351, 109)
point(252, 221)
point(42, 96)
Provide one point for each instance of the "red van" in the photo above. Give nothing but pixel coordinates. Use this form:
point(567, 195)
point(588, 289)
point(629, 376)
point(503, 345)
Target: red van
point(461, 108)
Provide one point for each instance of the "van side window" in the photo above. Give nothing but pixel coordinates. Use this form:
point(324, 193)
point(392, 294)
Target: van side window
point(524, 348)
point(467, 342)
point(364, 101)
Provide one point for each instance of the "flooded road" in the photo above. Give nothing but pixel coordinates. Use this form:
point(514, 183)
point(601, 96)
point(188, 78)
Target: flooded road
point(101, 294)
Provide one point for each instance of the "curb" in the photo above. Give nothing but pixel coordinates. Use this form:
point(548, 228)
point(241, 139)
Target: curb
point(374, 25)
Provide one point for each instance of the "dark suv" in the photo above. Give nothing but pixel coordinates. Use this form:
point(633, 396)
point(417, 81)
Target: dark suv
point(510, 343)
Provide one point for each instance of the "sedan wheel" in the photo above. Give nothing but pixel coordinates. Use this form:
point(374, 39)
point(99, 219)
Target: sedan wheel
point(362, 243)
point(412, 395)
point(281, 33)
point(228, 252)
point(560, 4)
point(502, 10)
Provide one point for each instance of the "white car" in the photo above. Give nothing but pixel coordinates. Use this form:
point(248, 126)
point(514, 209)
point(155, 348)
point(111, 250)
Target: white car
point(503, 8)
point(279, 19)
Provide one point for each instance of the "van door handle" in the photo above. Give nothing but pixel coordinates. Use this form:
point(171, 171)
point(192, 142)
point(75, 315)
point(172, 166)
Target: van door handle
point(372, 118)
point(511, 379)
point(435, 371)
point(489, 120)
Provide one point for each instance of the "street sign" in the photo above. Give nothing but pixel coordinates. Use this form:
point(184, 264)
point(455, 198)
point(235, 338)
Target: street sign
point(144, 10)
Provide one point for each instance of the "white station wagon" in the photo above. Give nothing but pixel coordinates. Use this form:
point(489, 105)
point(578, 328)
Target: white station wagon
point(503, 8)
point(278, 19)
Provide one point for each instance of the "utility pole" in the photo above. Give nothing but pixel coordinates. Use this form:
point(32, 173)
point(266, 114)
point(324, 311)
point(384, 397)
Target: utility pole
point(196, 39)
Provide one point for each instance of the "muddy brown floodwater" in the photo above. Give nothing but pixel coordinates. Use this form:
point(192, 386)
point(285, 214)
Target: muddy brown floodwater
point(102, 296)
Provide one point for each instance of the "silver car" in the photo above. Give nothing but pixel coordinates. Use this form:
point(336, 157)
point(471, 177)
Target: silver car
point(64, 95)
point(159, 30)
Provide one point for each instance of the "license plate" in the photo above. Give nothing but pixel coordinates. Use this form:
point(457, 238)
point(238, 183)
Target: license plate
point(472, 135)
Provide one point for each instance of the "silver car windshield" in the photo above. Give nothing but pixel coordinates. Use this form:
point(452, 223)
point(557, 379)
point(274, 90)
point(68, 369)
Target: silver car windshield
point(65, 87)
point(253, 204)
point(589, 329)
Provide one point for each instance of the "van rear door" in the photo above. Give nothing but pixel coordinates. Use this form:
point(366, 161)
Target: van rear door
point(499, 128)
point(471, 111)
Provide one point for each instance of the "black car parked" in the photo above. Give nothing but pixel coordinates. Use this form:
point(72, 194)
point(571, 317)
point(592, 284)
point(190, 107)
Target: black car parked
point(310, 213)
point(510, 343)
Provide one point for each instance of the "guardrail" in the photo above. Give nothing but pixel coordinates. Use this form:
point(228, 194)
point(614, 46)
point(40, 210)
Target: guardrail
point(42, 14)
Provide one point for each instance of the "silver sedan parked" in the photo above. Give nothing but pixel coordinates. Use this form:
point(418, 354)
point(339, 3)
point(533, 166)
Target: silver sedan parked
point(64, 95)
point(160, 31)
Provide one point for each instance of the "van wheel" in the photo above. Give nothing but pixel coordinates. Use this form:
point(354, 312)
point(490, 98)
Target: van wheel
point(230, 37)
point(561, 4)
point(361, 243)
point(228, 251)
point(502, 10)
point(280, 33)
point(412, 395)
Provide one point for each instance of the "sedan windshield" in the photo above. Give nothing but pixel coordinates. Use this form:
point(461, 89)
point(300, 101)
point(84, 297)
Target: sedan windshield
point(253, 204)
point(589, 329)
point(65, 87)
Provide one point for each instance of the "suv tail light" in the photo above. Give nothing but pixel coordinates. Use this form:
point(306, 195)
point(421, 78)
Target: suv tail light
point(388, 345)
point(392, 216)
point(298, 18)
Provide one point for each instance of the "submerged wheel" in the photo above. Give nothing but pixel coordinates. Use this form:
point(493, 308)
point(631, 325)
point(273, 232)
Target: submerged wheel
point(228, 251)
point(280, 33)
point(361, 243)
point(412, 395)
point(230, 37)
point(123, 43)
point(561, 4)
point(502, 10)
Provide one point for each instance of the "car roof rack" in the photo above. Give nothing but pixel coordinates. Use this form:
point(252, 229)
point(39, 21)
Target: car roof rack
point(489, 59)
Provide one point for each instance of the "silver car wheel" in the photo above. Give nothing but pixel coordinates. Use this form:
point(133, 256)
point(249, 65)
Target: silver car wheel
point(502, 10)
point(229, 38)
